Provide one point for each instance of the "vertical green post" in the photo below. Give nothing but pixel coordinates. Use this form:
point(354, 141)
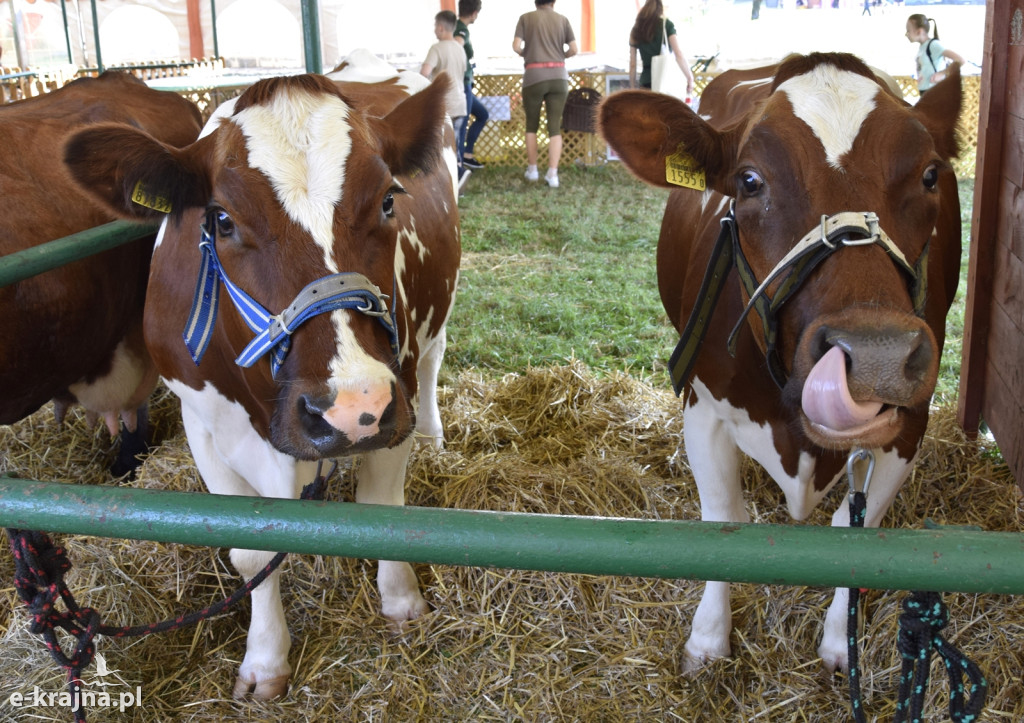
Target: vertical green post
point(213, 27)
point(311, 36)
point(96, 36)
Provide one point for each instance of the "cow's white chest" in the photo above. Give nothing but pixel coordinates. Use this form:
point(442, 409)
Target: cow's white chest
point(755, 440)
point(230, 454)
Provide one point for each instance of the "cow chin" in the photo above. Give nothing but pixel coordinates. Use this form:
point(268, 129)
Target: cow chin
point(311, 426)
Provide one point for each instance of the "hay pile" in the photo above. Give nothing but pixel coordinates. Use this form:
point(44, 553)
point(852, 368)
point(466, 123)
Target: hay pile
point(503, 645)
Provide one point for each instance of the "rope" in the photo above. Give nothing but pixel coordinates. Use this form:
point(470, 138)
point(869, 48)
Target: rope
point(39, 569)
point(858, 508)
point(924, 615)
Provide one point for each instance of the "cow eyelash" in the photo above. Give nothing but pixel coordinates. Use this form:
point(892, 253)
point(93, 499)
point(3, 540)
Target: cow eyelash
point(388, 205)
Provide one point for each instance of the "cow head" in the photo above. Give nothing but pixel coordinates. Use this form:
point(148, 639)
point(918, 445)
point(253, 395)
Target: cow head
point(855, 336)
point(296, 184)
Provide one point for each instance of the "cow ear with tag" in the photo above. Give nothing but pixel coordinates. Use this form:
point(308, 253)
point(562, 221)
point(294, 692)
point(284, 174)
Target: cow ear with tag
point(408, 134)
point(664, 143)
point(134, 175)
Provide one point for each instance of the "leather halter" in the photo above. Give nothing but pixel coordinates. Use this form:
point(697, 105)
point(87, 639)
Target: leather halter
point(849, 228)
point(348, 290)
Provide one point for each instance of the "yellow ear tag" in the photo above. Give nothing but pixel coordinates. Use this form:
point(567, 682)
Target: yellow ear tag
point(142, 197)
point(682, 170)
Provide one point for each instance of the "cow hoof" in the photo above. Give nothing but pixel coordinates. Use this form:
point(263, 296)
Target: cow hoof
point(834, 659)
point(261, 689)
point(697, 657)
point(401, 610)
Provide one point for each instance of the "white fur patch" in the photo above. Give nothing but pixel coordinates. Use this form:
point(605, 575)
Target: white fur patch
point(301, 142)
point(757, 442)
point(834, 103)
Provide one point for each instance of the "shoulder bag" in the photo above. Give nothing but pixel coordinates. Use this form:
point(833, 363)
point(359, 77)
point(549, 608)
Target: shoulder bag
point(666, 75)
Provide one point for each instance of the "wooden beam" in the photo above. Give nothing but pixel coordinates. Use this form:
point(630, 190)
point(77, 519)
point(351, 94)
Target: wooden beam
point(196, 48)
point(984, 221)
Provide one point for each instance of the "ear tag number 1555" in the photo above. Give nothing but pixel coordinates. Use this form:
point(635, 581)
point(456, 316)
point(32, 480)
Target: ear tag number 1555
point(682, 170)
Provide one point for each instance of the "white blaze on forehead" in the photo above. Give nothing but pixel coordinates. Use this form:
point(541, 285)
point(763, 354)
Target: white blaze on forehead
point(834, 103)
point(300, 141)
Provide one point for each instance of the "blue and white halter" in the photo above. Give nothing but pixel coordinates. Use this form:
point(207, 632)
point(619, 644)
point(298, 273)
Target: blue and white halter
point(348, 290)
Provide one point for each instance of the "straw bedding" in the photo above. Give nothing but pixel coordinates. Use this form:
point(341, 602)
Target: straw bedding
point(506, 645)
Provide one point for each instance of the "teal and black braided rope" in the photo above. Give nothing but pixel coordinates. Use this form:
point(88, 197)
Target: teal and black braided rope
point(858, 507)
point(923, 618)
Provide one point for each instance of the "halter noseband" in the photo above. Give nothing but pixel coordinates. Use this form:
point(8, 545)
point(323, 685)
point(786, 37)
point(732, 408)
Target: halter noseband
point(849, 228)
point(348, 290)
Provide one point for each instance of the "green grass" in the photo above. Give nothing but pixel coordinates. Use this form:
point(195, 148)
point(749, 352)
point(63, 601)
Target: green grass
point(552, 274)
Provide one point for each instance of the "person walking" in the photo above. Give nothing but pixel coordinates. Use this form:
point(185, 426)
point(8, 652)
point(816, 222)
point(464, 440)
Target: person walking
point(645, 39)
point(447, 56)
point(476, 112)
point(930, 53)
point(544, 39)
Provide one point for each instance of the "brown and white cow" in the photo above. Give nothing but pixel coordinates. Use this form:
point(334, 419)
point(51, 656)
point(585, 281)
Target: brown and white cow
point(841, 197)
point(74, 334)
point(301, 187)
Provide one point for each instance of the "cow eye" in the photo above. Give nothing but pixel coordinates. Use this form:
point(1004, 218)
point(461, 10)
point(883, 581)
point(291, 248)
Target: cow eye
point(751, 183)
point(931, 177)
point(225, 224)
point(389, 205)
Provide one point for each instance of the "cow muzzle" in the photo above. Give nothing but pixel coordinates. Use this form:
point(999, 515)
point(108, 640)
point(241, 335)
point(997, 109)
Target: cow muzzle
point(359, 418)
point(864, 369)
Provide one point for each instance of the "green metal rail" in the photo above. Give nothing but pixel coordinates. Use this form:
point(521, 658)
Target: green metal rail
point(23, 264)
point(949, 560)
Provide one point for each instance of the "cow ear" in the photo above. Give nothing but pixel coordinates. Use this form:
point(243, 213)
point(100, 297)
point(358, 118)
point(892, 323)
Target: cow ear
point(411, 132)
point(646, 128)
point(939, 111)
point(132, 174)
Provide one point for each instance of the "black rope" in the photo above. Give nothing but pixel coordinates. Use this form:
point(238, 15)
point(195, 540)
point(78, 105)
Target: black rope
point(39, 569)
point(924, 615)
point(923, 618)
point(858, 507)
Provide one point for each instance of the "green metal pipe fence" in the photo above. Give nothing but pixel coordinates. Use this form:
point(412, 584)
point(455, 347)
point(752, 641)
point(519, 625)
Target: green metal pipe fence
point(37, 259)
point(949, 560)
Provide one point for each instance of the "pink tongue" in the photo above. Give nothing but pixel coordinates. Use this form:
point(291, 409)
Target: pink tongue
point(826, 399)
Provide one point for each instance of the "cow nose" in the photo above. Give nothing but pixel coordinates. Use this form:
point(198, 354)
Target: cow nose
point(894, 366)
point(334, 423)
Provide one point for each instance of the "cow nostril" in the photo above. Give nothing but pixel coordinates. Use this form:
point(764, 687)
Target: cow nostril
point(311, 413)
point(919, 360)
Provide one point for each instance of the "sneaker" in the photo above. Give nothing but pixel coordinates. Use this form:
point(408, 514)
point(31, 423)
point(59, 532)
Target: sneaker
point(531, 174)
point(464, 174)
point(552, 179)
point(470, 162)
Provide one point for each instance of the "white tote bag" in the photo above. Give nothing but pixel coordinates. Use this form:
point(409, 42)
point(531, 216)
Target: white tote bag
point(666, 75)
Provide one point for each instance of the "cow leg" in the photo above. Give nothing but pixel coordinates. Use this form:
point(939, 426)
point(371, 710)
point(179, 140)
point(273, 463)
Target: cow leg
point(890, 472)
point(265, 671)
point(380, 480)
point(428, 416)
point(715, 462)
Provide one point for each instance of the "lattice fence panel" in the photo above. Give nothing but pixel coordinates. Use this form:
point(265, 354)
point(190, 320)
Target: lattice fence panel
point(503, 140)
